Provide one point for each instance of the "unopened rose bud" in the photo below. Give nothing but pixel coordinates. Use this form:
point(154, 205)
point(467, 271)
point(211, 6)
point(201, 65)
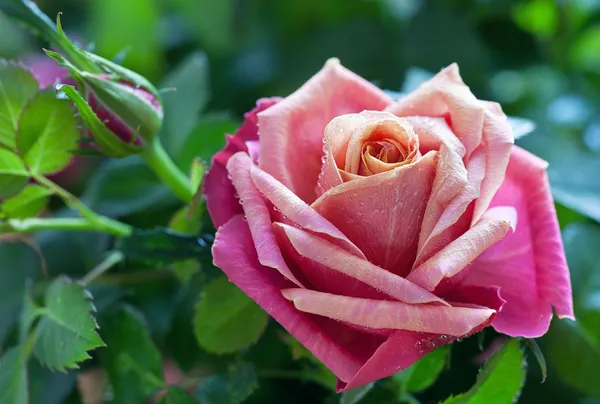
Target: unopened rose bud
point(132, 113)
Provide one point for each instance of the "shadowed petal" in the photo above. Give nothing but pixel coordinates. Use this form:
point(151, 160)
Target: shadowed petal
point(234, 252)
point(296, 210)
point(382, 213)
point(529, 265)
point(339, 260)
point(258, 216)
point(382, 314)
point(453, 258)
point(291, 132)
point(218, 189)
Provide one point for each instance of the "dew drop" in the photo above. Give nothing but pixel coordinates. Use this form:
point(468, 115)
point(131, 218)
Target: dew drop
point(245, 219)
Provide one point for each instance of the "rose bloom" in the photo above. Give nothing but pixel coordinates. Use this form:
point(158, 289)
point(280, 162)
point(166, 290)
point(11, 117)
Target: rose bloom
point(376, 230)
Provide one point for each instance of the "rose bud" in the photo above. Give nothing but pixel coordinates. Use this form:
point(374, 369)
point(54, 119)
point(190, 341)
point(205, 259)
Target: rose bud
point(376, 230)
point(121, 109)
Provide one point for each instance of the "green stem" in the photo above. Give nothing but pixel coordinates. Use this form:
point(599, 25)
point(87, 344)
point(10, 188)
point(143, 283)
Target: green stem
point(98, 222)
point(34, 224)
point(113, 259)
point(159, 161)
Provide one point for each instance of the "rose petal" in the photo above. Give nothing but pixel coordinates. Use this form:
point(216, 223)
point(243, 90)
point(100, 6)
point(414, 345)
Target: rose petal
point(453, 258)
point(218, 190)
point(234, 252)
point(403, 348)
point(382, 214)
point(296, 210)
point(446, 228)
point(339, 260)
point(434, 319)
point(528, 265)
point(291, 132)
point(498, 140)
point(474, 122)
point(258, 216)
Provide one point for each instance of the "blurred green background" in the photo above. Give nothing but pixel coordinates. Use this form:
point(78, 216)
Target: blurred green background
point(539, 58)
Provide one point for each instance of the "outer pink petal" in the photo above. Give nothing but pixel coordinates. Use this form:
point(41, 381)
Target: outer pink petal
point(335, 258)
point(296, 210)
point(474, 122)
point(529, 266)
point(453, 258)
point(382, 214)
point(291, 133)
point(403, 348)
point(258, 216)
point(340, 348)
point(383, 314)
point(218, 189)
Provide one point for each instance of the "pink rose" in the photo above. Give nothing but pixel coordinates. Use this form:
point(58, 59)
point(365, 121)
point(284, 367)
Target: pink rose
point(371, 229)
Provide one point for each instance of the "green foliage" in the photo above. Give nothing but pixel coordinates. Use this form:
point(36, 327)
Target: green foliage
point(499, 381)
point(540, 17)
point(187, 93)
point(161, 246)
point(354, 396)
point(227, 320)
point(47, 133)
point(176, 395)
point(29, 313)
point(67, 330)
point(233, 387)
point(186, 221)
point(18, 263)
point(131, 359)
point(206, 136)
point(13, 376)
point(29, 202)
point(124, 187)
point(13, 174)
point(112, 31)
point(17, 87)
point(573, 347)
point(424, 373)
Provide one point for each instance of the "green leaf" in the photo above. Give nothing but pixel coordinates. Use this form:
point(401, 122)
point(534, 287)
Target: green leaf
point(231, 388)
point(67, 329)
point(13, 174)
point(17, 87)
point(188, 222)
point(316, 372)
point(226, 319)
point(18, 263)
point(354, 396)
point(160, 246)
point(182, 105)
point(539, 356)
point(421, 375)
point(13, 376)
point(176, 395)
point(29, 313)
point(131, 359)
point(27, 203)
point(573, 348)
point(206, 138)
point(47, 133)
point(124, 187)
point(47, 387)
point(500, 380)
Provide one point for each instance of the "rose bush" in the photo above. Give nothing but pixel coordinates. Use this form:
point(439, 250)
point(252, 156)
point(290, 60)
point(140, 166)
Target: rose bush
point(376, 230)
